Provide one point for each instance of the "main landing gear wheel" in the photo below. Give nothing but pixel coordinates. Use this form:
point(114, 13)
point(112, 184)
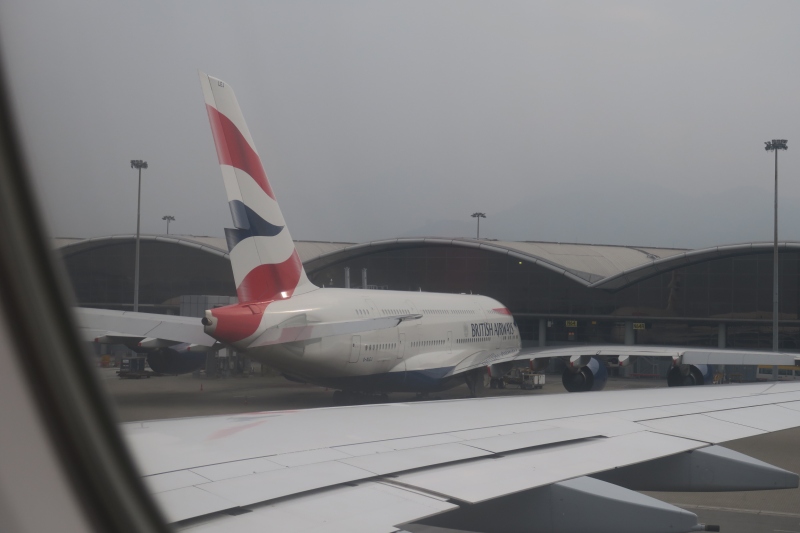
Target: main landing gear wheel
point(343, 397)
point(474, 381)
point(497, 383)
point(347, 397)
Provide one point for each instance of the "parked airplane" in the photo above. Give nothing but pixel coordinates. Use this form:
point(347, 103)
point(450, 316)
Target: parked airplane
point(541, 464)
point(374, 341)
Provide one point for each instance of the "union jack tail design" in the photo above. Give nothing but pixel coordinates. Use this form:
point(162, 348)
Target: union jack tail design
point(263, 256)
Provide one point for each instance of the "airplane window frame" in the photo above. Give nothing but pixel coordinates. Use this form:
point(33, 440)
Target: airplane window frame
point(74, 410)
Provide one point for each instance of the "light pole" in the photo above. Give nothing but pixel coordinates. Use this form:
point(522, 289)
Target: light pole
point(773, 146)
point(139, 165)
point(479, 216)
point(168, 218)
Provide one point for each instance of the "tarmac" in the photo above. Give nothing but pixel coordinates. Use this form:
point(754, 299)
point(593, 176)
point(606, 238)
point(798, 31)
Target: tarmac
point(188, 395)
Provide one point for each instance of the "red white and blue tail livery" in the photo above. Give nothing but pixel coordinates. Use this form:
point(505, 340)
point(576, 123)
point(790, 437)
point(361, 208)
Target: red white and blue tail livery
point(266, 265)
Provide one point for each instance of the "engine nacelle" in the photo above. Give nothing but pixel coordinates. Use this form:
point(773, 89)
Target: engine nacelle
point(169, 361)
point(539, 365)
point(590, 377)
point(689, 375)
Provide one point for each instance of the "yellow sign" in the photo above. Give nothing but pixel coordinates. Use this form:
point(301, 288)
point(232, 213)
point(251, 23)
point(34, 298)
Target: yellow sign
point(638, 325)
point(572, 323)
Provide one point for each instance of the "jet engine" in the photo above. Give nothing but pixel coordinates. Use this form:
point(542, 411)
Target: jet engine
point(688, 375)
point(589, 377)
point(170, 361)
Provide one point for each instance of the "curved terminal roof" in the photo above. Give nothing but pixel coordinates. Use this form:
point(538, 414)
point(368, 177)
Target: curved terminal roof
point(307, 250)
point(584, 263)
point(598, 266)
point(689, 257)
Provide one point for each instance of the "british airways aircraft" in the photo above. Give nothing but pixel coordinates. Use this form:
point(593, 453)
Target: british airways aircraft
point(547, 464)
point(352, 340)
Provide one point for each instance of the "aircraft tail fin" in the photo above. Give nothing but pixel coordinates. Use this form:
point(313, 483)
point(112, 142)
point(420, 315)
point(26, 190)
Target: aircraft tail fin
point(265, 262)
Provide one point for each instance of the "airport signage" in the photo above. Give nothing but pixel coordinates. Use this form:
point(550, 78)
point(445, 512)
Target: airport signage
point(572, 323)
point(638, 325)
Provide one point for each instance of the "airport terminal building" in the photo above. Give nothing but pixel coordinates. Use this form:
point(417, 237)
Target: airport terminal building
point(558, 292)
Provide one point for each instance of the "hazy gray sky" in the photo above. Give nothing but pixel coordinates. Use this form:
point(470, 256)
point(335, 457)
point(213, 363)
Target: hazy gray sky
point(608, 122)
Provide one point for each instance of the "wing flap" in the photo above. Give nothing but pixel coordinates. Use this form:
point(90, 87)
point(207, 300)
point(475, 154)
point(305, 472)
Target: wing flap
point(233, 469)
point(529, 469)
point(701, 428)
point(398, 461)
point(763, 417)
point(189, 502)
point(173, 480)
point(732, 403)
point(368, 507)
point(529, 439)
point(265, 486)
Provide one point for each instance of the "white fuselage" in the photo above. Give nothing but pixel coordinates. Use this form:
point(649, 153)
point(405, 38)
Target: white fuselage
point(417, 355)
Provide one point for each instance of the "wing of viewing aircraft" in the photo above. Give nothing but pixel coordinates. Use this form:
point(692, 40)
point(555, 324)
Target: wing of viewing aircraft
point(555, 463)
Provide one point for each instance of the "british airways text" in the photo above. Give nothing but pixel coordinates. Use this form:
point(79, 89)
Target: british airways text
point(487, 329)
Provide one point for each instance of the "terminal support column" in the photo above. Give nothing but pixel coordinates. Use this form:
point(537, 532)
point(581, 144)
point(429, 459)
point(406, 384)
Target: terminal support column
point(630, 338)
point(722, 338)
point(542, 332)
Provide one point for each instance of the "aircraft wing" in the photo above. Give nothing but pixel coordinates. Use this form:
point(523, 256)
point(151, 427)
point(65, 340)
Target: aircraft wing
point(145, 329)
point(680, 355)
point(579, 353)
point(465, 464)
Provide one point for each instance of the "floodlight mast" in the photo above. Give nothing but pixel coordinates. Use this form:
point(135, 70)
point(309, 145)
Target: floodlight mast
point(478, 216)
point(168, 218)
point(773, 146)
point(139, 165)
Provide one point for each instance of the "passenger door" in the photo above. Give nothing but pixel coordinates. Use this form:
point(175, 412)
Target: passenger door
point(355, 349)
point(401, 349)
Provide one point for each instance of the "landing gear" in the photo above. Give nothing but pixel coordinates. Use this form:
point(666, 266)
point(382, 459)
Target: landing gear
point(497, 383)
point(341, 397)
point(346, 397)
point(474, 381)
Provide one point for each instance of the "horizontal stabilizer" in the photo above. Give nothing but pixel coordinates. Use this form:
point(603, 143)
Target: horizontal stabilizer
point(125, 327)
point(202, 347)
point(151, 342)
point(118, 338)
point(714, 469)
point(580, 504)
